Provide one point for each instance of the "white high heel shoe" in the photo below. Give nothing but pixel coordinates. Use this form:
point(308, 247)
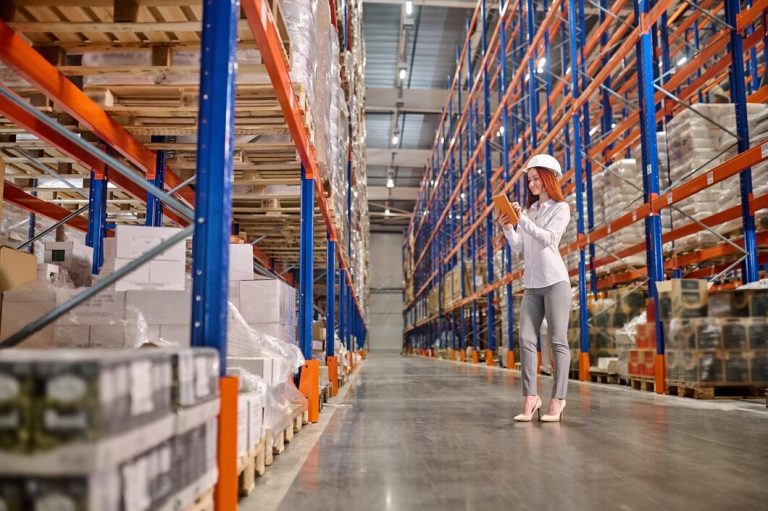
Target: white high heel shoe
point(554, 418)
point(528, 418)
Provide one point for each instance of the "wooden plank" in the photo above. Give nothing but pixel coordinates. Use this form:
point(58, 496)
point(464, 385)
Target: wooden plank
point(146, 70)
point(2, 187)
point(64, 27)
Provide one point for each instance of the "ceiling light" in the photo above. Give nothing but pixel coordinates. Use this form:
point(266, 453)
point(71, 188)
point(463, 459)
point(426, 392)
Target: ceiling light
point(463, 195)
point(541, 64)
point(593, 131)
point(403, 73)
point(501, 130)
point(527, 76)
point(408, 7)
point(390, 182)
point(613, 125)
point(387, 212)
point(395, 139)
point(682, 61)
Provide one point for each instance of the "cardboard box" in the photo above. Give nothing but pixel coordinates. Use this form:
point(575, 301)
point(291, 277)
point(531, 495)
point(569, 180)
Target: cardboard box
point(318, 330)
point(16, 268)
point(285, 333)
point(683, 298)
point(260, 366)
point(110, 249)
point(131, 241)
point(177, 334)
point(318, 346)
point(240, 262)
point(152, 276)
point(268, 301)
point(76, 258)
point(20, 308)
point(739, 303)
point(162, 307)
point(111, 336)
point(47, 272)
point(242, 425)
point(256, 402)
point(107, 307)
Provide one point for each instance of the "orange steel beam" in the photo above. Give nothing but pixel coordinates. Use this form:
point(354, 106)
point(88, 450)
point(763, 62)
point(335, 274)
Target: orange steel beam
point(751, 14)
point(24, 200)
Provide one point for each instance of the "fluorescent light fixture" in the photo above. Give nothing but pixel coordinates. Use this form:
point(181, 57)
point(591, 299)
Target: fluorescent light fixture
point(527, 76)
point(682, 61)
point(395, 139)
point(390, 182)
point(501, 130)
point(593, 131)
point(463, 195)
point(402, 74)
point(541, 64)
point(408, 7)
point(387, 212)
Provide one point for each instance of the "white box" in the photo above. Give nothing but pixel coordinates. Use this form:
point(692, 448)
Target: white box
point(72, 336)
point(21, 308)
point(152, 276)
point(242, 425)
point(233, 294)
point(110, 249)
point(255, 417)
point(111, 336)
point(260, 366)
point(134, 240)
point(77, 259)
point(47, 272)
point(285, 333)
point(240, 262)
point(318, 345)
point(267, 301)
point(104, 308)
point(162, 307)
point(177, 334)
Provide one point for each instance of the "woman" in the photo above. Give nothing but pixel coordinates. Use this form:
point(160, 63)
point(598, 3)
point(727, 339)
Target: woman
point(545, 277)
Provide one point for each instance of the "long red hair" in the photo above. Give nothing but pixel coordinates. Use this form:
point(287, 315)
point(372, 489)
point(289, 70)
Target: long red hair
point(551, 185)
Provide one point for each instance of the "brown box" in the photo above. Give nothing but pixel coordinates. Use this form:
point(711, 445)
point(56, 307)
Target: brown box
point(16, 268)
point(682, 298)
point(739, 303)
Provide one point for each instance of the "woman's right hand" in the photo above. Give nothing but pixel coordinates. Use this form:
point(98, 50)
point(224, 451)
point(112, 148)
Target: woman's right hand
point(504, 221)
point(517, 208)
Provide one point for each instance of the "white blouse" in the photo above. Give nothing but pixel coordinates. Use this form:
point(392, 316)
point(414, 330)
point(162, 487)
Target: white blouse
point(538, 237)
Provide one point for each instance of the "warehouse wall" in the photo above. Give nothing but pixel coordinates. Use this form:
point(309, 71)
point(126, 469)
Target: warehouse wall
point(386, 311)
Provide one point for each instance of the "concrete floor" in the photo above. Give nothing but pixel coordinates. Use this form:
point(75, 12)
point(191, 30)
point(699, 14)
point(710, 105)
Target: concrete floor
point(419, 434)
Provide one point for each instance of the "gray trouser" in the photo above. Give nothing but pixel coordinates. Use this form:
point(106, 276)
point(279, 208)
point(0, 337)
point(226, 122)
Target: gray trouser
point(552, 302)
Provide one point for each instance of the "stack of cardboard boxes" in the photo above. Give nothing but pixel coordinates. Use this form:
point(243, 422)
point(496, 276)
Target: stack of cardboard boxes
point(93, 429)
point(717, 339)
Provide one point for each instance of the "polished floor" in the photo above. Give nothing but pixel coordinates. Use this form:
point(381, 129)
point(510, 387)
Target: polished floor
point(421, 434)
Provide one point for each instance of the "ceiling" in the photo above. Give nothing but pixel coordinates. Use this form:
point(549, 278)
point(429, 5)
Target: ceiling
point(410, 108)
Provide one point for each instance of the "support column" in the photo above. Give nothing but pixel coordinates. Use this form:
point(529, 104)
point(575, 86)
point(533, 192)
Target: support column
point(739, 98)
point(489, 221)
point(578, 178)
point(97, 218)
point(306, 263)
point(154, 206)
point(650, 182)
point(213, 218)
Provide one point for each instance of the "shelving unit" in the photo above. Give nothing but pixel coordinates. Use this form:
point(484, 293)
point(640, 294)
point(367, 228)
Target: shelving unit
point(136, 81)
point(514, 94)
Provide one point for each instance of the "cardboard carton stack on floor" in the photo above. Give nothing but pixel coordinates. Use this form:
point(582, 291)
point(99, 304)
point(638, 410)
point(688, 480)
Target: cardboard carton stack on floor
point(96, 429)
point(716, 339)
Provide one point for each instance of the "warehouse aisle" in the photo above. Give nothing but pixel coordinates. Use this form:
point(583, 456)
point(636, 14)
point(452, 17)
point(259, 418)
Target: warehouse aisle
point(422, 434)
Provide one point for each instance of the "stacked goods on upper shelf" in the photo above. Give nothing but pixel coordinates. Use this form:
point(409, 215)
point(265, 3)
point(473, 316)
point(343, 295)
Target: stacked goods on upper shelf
point(701, 138)
point(714, 339)
point(97, 430)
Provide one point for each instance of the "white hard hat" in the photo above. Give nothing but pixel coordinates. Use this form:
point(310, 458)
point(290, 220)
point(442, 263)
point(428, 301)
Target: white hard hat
point(545, 161)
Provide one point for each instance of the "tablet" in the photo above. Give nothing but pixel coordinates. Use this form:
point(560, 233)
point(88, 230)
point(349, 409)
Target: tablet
point(504, 206)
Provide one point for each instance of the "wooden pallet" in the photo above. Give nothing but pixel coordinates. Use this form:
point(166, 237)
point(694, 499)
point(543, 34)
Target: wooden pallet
point(246, 473)
point(644, 384)
point(714, 390)
point(202, 503)
point(603, 377)
point(279, 439)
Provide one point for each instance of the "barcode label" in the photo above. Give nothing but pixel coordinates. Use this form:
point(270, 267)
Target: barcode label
point(710, 178)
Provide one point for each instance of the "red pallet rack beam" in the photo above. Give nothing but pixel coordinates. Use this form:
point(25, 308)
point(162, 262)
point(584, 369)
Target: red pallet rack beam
point(22, 199)
point(751, 14)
